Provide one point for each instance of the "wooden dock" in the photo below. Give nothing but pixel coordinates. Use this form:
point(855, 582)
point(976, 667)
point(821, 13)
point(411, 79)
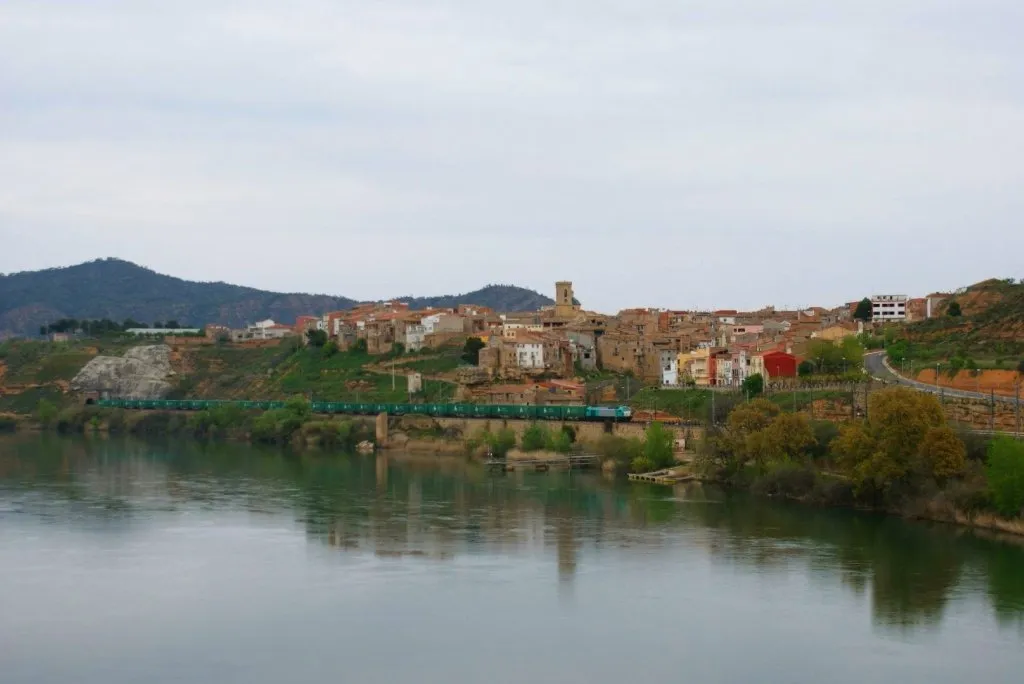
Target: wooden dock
point(574, 462)
point(668, 476)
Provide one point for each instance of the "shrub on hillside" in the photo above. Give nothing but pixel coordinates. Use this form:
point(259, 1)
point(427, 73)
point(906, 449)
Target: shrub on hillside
point(1005, 472)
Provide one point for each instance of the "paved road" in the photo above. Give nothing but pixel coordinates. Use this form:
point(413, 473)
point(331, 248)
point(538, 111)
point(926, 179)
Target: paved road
point(874, 363)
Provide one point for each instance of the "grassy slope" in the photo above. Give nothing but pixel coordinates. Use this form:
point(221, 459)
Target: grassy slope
point(990, 330)
point(283, 371)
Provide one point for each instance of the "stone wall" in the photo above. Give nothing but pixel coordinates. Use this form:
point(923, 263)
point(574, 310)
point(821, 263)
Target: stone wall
point(586, 431)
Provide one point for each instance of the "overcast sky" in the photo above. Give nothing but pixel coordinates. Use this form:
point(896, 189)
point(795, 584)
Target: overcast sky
point(672, 153)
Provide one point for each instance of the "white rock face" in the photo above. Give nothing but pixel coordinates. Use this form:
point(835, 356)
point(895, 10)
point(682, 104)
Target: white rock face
point(140, 374)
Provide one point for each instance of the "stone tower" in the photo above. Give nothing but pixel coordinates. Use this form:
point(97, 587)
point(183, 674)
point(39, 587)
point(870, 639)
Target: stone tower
point(564, 306)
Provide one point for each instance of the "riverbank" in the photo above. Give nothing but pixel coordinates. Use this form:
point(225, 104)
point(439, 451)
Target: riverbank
point(903, 460)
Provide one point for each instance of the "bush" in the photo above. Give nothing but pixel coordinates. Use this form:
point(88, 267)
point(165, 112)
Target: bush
point(535, 437)
point(560, 441)
point(46, 412)
point(1005, 474)
point(785, 478)
point(502, 442)
point(8, 424)
point(641, 464)
point(754, 385)
point(621, 450)
point(659, 446)
point(160, 424)
point(824, 432)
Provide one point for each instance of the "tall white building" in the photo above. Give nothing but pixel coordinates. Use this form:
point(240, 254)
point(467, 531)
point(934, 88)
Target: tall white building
point(889, 308)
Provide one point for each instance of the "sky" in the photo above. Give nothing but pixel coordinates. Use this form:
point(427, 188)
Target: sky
point(669, 153)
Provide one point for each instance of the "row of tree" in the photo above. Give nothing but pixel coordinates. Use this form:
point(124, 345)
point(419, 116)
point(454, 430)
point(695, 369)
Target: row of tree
point(901, 450)
point(101, 326)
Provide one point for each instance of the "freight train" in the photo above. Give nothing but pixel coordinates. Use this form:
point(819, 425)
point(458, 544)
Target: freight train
point(505, 411)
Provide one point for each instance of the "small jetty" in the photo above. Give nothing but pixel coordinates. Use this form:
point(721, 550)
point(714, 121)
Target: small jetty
point(667, 476)
point(573, 462)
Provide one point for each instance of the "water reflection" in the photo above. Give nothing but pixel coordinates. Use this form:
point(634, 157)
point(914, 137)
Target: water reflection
point(444, 509)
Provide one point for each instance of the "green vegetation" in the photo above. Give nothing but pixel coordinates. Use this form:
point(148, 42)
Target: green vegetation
point(891, 450)
point(753, 386)
point(317, 338)
point(293, 425)
point(953, 310)
point(471, 351)
point(863, 310)
point(498, 443)
point(46, 412)
point(835, 359)
point(8, 424)
point(539, 436)
point(902, 457)
point(1005, 472)
point(988, 329)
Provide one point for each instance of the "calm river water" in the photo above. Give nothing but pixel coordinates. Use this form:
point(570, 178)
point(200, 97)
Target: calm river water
point(126, 562)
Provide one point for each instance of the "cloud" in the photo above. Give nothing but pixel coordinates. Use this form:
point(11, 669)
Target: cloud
point(674, 154)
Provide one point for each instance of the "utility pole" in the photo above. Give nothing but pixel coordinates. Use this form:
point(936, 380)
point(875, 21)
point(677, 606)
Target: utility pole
point(1016, 394)
point(992, 410)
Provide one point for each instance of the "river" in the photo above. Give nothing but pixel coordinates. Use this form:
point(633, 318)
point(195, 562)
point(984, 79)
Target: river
point(127, 562)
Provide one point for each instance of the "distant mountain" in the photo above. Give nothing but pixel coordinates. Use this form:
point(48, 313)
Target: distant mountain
point(117, 289)
point(497, 297)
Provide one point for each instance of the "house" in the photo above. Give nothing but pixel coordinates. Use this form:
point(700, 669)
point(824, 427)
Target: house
point(529, 352)
point(779, 364)
point(415, 335)
point(886, 308)
point(669, 362)
point(304, 323)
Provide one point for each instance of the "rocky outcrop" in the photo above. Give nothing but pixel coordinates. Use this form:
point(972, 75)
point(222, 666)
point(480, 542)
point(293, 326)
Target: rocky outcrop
point(141, 373)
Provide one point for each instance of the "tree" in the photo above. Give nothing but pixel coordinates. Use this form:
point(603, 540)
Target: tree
point(659, 446)
point(172, 324)
point(1020, 367)
point(754, 385)
point(501, 442)
point(299, 407)
point(805, 369)
point(560, 441)
point(46, 412)
point(953, 310)
point(471, 350)
point(885, 451)
point(863, 310)
point(359, 346)
point(42, 331)
point(942, 454)
point(1005, 472)
point(788, 438)
point(316, 338)
point(535, 437)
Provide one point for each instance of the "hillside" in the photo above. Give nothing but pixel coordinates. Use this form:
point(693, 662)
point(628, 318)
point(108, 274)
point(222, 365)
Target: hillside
point(990, 329)
point(116, 289)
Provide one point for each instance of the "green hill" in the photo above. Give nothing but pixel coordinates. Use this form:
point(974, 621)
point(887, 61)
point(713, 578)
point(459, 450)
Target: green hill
point(990, 328)
point(117, 290)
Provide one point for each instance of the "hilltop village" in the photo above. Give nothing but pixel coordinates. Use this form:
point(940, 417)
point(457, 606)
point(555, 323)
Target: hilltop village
point(544, 356)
